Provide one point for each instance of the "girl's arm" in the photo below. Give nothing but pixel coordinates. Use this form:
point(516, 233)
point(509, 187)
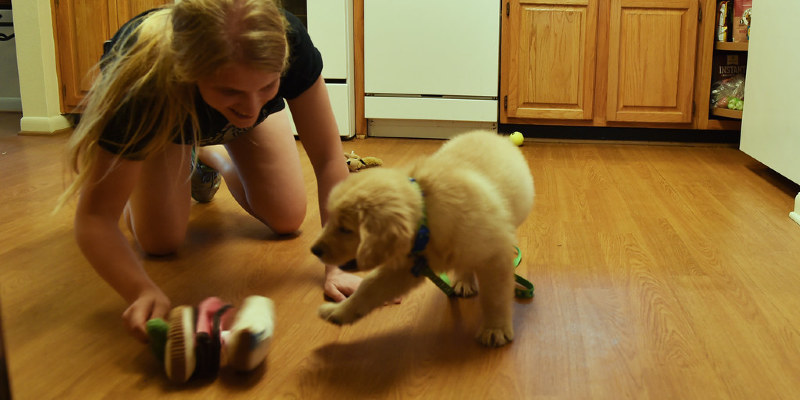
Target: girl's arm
point(102, 200)
point(316, 126)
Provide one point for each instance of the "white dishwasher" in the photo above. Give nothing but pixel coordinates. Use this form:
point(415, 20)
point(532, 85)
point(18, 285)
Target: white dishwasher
point(430, 66)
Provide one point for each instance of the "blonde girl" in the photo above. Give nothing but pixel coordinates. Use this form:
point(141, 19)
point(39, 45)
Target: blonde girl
point(193, 74)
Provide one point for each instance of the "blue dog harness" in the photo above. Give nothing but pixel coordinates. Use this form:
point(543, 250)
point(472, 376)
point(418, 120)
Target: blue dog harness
point(421, 239)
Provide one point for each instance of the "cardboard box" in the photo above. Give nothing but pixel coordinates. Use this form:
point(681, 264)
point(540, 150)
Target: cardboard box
point(728, 64)
point(741, 20)
point(724, 21)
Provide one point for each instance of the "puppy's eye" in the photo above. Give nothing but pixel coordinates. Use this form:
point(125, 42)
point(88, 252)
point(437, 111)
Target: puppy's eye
point(344, 230)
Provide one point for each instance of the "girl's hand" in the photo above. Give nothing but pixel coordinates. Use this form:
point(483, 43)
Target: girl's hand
point(339, 285)
point(150, 304)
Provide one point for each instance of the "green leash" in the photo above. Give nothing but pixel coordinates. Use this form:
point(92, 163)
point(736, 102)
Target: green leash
point(524, 290)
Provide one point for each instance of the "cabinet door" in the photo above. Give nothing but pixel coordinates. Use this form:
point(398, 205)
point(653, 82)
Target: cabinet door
point(127, 9)
point(551, 58)
point(652, 48)
point(82, 27)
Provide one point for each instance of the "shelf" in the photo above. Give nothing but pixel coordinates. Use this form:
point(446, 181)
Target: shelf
point(724, 124)
point(731, 46)
point(727, 113)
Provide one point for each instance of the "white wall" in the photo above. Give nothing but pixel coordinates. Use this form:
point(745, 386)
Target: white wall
point(9, 80)
point(36, 60)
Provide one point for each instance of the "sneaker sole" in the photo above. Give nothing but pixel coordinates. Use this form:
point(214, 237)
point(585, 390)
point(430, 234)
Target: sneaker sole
point(179, 357)
point(204, 191)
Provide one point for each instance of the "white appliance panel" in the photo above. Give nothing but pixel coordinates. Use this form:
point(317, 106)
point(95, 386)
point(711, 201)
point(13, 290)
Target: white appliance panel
point(330, 25)
point(439, 47)
point(770, 132)
point(430, 109)
point(327, 25)
point(341, 103)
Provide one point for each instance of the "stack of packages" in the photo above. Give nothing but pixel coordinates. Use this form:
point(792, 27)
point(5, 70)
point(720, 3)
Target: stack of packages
point(197, 342)
point(733, 25)
point(733, 20)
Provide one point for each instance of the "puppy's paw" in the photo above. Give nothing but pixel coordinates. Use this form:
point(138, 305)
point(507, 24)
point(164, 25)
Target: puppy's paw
point(336, 313)
point(495, 337)
point(328, 312)
point(465, 288)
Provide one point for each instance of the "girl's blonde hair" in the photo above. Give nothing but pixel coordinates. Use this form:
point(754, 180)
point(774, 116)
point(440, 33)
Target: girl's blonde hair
point(152, 72)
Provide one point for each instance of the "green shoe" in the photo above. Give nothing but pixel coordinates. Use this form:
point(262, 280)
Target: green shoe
point(205, 182)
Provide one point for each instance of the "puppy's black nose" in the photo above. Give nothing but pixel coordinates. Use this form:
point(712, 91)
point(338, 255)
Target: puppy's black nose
point(349, 266)
point(317, 251)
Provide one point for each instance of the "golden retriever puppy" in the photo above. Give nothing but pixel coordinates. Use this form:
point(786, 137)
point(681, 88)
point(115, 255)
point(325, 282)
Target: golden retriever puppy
point(471, 194)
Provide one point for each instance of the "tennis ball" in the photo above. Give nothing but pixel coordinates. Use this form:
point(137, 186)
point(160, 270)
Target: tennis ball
point(517, 138)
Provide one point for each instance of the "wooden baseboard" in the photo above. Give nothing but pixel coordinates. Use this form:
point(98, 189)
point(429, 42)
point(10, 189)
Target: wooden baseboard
point(44, 125)
point(627, 135)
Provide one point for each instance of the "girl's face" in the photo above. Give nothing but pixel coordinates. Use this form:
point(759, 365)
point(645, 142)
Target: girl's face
point(239, 91)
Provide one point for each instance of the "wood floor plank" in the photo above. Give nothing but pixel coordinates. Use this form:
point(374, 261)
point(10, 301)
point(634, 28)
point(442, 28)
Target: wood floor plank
point(661, 272)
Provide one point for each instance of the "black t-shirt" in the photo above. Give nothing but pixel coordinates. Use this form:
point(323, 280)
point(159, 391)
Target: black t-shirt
point(305, 66)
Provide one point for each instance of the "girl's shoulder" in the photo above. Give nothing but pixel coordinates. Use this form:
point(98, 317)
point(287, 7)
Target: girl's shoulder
point(305, 60)
point(129, 27)
point(126, 36)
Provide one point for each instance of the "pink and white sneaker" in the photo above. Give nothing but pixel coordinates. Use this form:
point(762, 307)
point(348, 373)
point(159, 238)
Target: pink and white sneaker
point(245, 344)
point(207, 339)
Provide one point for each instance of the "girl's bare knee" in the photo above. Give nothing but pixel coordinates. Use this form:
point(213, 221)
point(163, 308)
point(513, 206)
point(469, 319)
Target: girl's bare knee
point(161, 245)
point(287, 225)
point(283, 222)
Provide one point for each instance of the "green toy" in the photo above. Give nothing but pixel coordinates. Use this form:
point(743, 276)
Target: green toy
point(157, 330)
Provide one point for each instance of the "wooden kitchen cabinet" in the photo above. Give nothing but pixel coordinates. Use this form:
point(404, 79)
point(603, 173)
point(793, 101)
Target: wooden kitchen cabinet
point(652, 47)
point(599, 62)
point(550, 48)
point(81, 27)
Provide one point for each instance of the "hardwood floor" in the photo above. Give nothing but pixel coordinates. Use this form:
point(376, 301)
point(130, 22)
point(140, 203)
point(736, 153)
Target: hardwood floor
point(661, 272)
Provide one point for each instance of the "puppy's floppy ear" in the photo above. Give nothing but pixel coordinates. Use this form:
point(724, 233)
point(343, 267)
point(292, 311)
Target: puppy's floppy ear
point(384, 233)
